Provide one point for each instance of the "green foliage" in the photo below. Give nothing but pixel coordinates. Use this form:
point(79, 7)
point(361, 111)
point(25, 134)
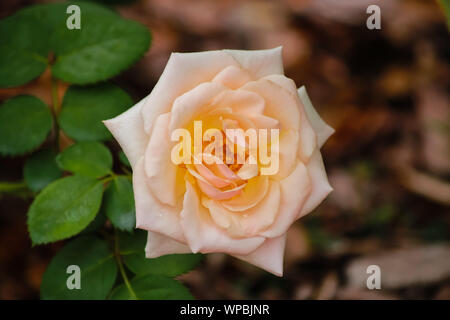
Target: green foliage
point(132, 249)
point(64, 208)
point(97, 266)
point(87, 158)
point(84, 109)
point(95, 225)
point(101, 49)
point(98, 222)
point(41, 169)
point(25, 122)
point(23, 50)
point(152, 287)
point(119, 204)
point(105, 45)
point(33, 39)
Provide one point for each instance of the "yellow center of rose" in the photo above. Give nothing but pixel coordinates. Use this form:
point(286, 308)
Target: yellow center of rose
point(226, 162)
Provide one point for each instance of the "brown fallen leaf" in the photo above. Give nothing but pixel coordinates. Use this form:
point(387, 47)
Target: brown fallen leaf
point(402, 268)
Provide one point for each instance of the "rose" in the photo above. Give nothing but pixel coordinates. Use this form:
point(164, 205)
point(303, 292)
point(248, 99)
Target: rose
point(220, 207)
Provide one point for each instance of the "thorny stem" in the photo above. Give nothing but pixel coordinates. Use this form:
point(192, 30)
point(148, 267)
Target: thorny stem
point(120, 265)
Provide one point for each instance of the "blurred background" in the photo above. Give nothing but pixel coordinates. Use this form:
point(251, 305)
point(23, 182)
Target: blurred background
point(386, 92)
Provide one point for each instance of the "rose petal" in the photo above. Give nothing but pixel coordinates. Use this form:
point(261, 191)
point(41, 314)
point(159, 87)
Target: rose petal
point(264, 122)
point(255, 190)
point(323, 130)
point(251, 222)
point(160, 170)
point(281, 104)
point(259, 63)
point(289, 142)
point(128, 129)
point(269, 256)
point(219, 168)
point(233, 77)
point(240, 101)
point(183, 72)
point(218, 194)
point(151, 214)
point(319, 181)
point(295, 189)
point(203, 235)
point(308, 137)
point(159, 245)
point(209, 176)
point(193, 103)
point(249, 169)
point(233, 134)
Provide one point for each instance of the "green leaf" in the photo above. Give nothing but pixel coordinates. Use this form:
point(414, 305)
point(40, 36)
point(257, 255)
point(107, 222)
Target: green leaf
point(98, 222)
point(98, 271)
point(64, 208)
point(25, 122)
point(23, 50)
point(41, 169)
point(152, 287)
point(87, 158)
point(123, 158)
point(132, 250)
point(119, 204)
point(101, 49)
point(105, 45)
point(84, 109)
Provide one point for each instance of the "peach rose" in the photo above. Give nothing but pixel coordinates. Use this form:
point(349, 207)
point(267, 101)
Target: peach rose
point(239, 208)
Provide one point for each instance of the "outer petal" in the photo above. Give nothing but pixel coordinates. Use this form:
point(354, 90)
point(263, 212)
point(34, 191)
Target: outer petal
point(159, 245)
point(260, 63)
point(295, 189)
point(160, 169)
point(269, 256)
point(308, 136)
point(151, 214)
point(183, 72)
point(323, 130)
point(202, 235)
point(128, 129)
point(288, 147)
point(319, 181)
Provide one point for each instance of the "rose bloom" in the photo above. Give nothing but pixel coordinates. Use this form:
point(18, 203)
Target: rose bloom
point(221, 207)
